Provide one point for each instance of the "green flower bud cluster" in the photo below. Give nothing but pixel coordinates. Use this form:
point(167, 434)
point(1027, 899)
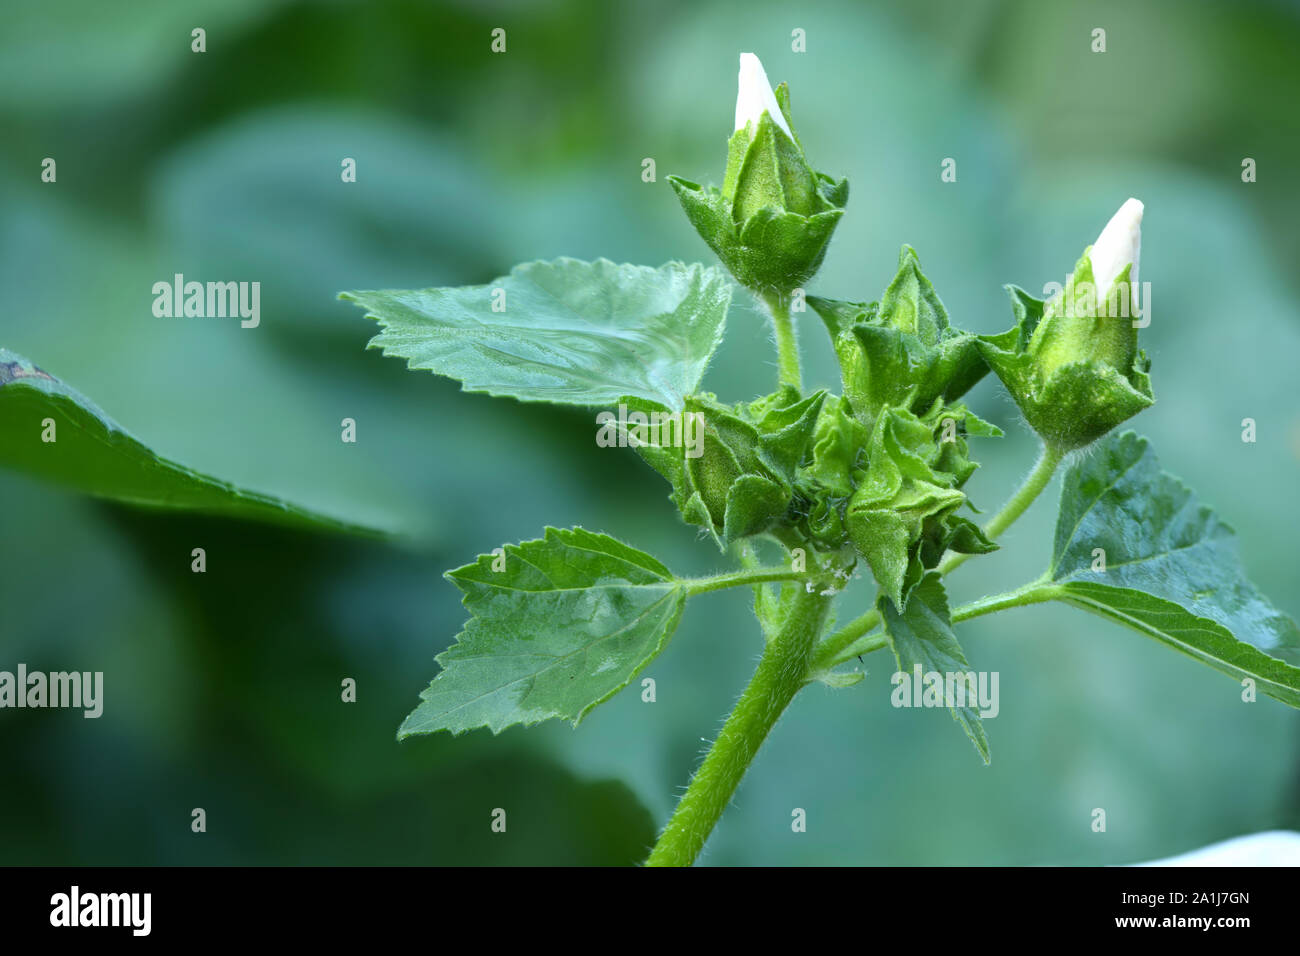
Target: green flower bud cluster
point(901, 352)
point(826, 480)
point(882, 467)
point(902, 516)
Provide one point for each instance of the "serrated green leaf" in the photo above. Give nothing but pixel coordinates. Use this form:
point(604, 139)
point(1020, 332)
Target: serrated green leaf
point(567, 622)
point(1171, 567)
point(564, 331)
point(94, 454)
point(922, 637)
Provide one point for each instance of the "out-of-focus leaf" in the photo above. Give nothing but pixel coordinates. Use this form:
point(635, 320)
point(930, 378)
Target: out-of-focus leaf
point(92, 453)
point(100, 53)
point(263, 196)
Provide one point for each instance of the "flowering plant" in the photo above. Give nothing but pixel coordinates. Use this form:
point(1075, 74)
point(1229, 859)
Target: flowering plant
point(869, 480)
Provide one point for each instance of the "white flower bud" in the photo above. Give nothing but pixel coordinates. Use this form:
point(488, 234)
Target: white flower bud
point(755, 96)
point(1119, 244)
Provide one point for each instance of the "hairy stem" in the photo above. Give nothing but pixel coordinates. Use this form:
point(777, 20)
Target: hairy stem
point(848, 643)
point(1036, 592)
point(781, 672)
point(832, 650)
point(735, 579)
point(787, 348)
point(1017, 504)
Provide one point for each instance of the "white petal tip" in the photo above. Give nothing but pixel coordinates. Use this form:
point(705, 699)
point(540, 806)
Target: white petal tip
point(754, 95)
point(1130, 213)
point(1119, 244)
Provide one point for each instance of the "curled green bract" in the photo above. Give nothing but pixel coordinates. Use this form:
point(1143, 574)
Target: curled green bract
point(903, 516)
point(901, 351)
point(738, 479)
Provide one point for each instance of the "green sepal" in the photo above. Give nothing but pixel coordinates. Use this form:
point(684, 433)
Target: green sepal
point(902, 516)
point(910, 303)
point(773, 251)
point(954, 533)
point(743, 480)
point(952, 455)
point(824, 522)
point(785, 430)
point(1069, 403)
point(901, 498)
point(837, 444)
point(772, 173)
point(753, 503)
point(1075, 327)
point(902, 351)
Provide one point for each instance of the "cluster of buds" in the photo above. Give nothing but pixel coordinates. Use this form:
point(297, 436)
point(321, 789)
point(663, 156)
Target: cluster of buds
point(903, 517)
point(882, 466)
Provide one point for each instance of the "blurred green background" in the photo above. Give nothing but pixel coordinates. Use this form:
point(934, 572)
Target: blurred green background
point(222, 690)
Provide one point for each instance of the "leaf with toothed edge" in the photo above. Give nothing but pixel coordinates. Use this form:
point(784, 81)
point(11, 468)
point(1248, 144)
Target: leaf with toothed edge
point(1171, 568)
point(565, 331)
point(560, 625)
point(922, 637)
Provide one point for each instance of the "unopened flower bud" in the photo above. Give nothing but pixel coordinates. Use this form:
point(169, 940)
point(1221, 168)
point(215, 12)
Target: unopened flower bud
point(772, 219)
point(1091, 318)
point(1072, 364)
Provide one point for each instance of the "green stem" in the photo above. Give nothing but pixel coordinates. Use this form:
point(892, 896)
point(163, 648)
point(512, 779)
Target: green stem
point(735, 579)
point(826, 659)
point(847, 643)
point(830, 651)
point(1036, 592)
point(781, 672)
point(787, 349)
point(1017, 504)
